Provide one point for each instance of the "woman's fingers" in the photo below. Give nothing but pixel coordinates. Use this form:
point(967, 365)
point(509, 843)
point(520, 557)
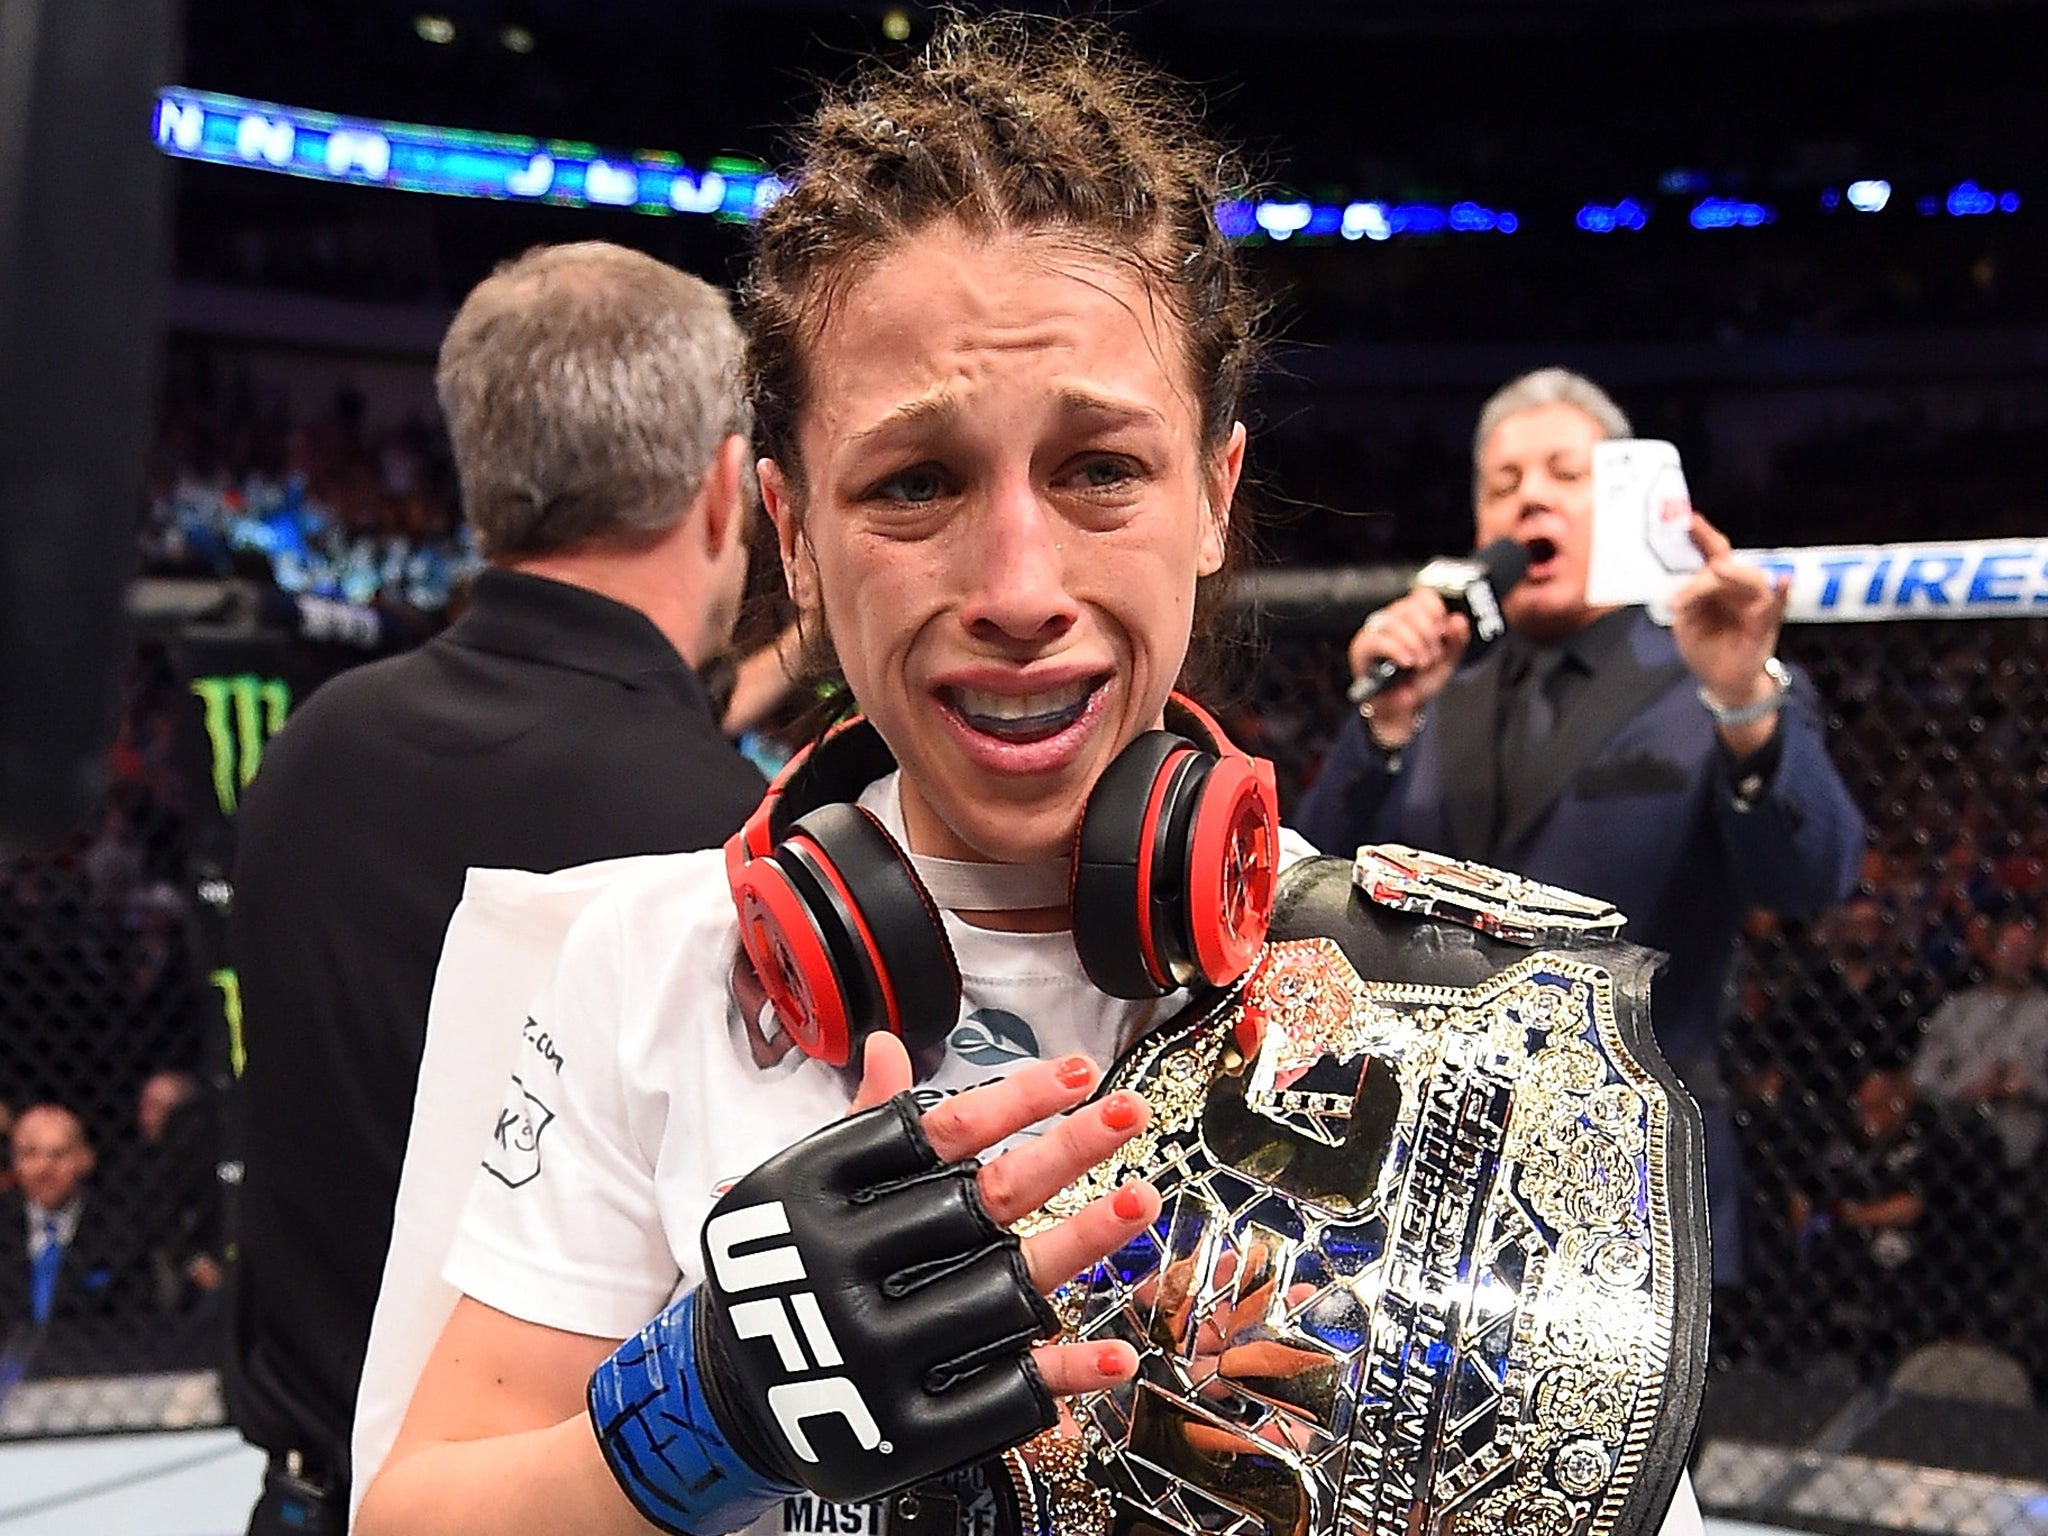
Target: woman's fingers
point(969, 1123)
point(1025, 1177)
point(884, 1072)
point(1028, 1175)
point(1098, 1229)
point(1071, 1368)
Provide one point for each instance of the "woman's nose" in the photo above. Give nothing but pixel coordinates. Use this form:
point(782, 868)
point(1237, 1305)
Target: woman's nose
point(1017, 582)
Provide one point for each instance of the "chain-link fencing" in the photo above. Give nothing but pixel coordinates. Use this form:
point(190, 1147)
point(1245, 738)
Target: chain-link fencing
point(1880, 1366)
point(108, 1084)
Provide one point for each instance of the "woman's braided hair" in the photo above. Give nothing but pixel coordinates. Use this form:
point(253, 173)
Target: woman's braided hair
point(1005, 124)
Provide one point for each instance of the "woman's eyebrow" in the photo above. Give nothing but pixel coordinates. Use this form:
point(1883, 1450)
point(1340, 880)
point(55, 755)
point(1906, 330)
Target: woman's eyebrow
point(1087, 402)
point(935, 409)
point(943, 409)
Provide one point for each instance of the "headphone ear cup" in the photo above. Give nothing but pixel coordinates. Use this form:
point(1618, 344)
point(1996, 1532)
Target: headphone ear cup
point(785, 944)
point(861, 947)
point(1116, 862)
point(1232, 868)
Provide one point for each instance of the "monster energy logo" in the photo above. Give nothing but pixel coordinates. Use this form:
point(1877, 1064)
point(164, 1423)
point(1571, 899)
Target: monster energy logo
point(242, 712)
point(230, 986)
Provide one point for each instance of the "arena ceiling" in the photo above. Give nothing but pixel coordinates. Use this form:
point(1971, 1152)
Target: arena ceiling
point(1358, 93)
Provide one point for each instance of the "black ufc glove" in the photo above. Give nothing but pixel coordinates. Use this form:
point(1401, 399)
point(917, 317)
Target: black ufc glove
point(866, 1321)
point(863, 1324)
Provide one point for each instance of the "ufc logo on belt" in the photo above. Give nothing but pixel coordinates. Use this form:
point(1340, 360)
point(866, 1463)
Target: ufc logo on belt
point(791, 1322)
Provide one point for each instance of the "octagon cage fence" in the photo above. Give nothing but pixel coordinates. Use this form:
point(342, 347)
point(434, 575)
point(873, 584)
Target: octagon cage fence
point(1883, 1365)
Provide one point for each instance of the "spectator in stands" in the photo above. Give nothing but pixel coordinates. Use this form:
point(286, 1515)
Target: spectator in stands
point(163, 1094)
point(112, 860)
point(1986, 1047)
point(1871, 993)
point(177, 1176)
point(69, 1269)
point(1816, 1005)
point(1953, 895)
point(1679, 773)
point(156, 958)
point(595, 404)
point(1890, 1205)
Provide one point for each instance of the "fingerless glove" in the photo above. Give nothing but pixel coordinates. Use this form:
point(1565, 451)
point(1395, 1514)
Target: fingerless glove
point(863, 1324)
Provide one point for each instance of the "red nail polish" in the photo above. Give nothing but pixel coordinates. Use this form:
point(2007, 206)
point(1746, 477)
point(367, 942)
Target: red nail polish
point(1120, 1112)
point(1110, 1362)
point(1127, 1204)
point(1075, 1072)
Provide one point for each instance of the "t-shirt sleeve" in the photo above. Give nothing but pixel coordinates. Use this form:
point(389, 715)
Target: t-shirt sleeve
point(562, 1227)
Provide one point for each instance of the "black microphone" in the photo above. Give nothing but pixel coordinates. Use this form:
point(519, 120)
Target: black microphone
point(1469, 584)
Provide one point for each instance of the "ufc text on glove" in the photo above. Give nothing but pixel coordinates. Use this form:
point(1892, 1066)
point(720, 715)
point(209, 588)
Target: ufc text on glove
point(864, 1324)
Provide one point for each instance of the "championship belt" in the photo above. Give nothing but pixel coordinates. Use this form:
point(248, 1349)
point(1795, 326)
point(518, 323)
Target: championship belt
point(1432, 1257)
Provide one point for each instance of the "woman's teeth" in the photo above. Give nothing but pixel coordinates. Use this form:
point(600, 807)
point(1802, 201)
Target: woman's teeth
point(1022, 717)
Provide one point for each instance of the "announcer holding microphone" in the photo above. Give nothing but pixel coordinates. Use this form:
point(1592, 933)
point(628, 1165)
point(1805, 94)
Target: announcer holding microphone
point(1679, 773)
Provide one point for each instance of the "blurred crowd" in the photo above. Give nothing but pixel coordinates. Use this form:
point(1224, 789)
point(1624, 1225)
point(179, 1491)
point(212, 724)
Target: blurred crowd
point(332, 506)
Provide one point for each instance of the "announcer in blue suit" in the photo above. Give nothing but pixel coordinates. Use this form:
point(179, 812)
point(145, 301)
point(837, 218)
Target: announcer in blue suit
point(1679, 773)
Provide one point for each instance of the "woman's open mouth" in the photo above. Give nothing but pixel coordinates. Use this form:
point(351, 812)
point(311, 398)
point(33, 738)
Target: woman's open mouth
point(1541, 553)
point(1022, 717)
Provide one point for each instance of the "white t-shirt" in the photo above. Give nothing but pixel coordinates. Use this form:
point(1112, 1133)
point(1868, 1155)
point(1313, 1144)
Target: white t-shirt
point(641, 1089)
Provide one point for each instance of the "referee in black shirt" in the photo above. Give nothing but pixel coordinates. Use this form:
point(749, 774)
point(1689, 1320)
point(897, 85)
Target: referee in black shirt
point(594, 400)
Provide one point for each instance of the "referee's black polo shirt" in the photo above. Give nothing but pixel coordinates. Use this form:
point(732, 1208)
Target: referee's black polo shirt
point(547, 727)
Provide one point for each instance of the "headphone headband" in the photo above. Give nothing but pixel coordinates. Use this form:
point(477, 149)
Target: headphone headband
point(851, 755)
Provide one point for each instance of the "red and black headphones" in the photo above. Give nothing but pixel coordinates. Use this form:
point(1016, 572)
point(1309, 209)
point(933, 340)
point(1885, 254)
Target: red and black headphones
point(1172, 886)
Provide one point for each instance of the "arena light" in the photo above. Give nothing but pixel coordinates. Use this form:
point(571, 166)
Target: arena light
point(516, 39)
point(1967, 199)
point(1605, 218)
point(232, 130)
point(434, 29)
point(1281, 220)
point(1730, 213)
point(1869, 196)
point(1364, 221)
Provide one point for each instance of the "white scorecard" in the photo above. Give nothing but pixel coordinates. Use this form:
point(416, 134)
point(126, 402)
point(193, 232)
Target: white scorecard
point(1642, 513)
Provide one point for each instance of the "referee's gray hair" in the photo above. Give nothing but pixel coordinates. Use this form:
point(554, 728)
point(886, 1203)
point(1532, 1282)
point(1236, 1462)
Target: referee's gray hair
point(587, 388)
point(1546, 386)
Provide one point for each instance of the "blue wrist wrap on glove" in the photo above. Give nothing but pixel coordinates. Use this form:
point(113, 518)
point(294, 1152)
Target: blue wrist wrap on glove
point(659, 1437)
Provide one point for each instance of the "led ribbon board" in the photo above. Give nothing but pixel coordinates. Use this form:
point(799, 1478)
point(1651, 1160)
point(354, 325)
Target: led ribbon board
point(457, 162)
point(454, 162)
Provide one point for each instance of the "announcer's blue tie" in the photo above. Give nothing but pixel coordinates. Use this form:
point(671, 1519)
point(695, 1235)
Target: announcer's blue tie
point(42, 1273)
